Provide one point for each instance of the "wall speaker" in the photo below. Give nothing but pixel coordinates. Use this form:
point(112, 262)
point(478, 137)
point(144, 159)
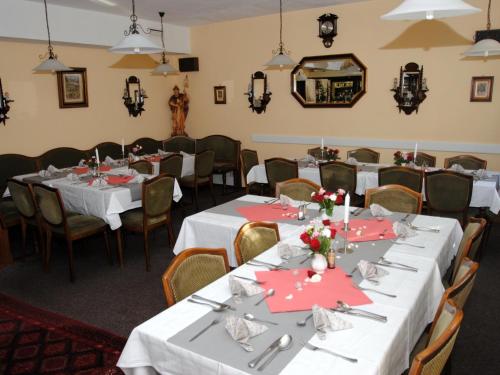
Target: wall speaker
point(189, 64)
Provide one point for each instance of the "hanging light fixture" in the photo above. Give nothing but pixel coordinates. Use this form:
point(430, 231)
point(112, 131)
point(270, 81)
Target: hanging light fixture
point(281, 60)
point(485, 47)
point(164, 68)
point(50, 64)
point(134, 43)
point(429, 10)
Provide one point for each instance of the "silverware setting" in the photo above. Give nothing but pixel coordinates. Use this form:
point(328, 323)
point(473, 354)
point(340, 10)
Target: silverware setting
point(214, 307)
point(315, 348)
point(251, 317)
point(269, 293)
point(303, 322)
point(382, 264)
point(271, 201)
point(403, 220)
point(249, 279)
point(200, 298)
point(308, 256)
point(254, 362)
point(372, 290)
point(285, 343)
point(271, 266)
point(358, 211)
point(214, 322)
point(344, 308)
point(407, 244)
point(383, 260)
point(424, 229)
point(351, 274)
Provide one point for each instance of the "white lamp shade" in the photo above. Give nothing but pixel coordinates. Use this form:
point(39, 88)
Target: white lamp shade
point(485, 48)
point(51, 65)
point(429, 9)
point(164, 69)
point(280, 61)
point(135, 44)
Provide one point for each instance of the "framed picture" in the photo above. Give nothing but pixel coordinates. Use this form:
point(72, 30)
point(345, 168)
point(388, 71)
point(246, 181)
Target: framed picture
point(481, 89)
point(72, 87)
point(220, 94)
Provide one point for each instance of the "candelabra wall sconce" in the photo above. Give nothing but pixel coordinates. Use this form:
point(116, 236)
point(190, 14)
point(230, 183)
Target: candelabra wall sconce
point(133, 96)
point(4, 104)
point(258, 93)
point(411, 89)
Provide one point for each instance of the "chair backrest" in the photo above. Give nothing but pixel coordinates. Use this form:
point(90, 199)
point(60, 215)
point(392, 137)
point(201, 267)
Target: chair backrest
point(448, 192)
point(461, 287)
point(180, 143)
point(443, 334)
point(62, 157)
point(204, 163)
point(470, 243)
point(477, 240)
point(14, 165)
point(226, 149)
point(396, 198)
point(466, 161)
point(364, 155)
point(423, 158)
point(299, 189)
point(142, 166)
point(50, 204)
point(172, 165)
point(336, 175)
point(279, 169)
point(249, 159)
point(149, 145)
point(111, 149)
point(191, 270)
point(23, 198)
point(316, 152)
point(253, 238)
point(409, 177)
point(157, 196)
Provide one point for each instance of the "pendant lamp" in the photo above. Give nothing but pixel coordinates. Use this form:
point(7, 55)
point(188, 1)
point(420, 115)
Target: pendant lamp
point(164, 68)
point(485, 47)
point(280, 60)
point(429, 10)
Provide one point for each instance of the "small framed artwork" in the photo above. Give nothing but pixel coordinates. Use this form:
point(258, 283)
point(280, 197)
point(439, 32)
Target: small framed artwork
point(220, 94)
point(72, 87)
point(481, 89)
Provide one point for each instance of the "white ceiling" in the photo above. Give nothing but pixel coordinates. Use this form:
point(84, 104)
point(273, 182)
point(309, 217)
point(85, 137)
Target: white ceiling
point(196, 12)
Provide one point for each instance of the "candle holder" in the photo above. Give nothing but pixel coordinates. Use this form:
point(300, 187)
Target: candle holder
point(347, 249)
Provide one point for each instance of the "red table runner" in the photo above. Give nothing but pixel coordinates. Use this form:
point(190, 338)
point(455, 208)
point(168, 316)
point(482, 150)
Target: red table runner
point(268, 212)
point(367, 230)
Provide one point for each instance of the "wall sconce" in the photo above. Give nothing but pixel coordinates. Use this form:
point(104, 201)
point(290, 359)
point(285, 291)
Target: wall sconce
point(410, 91)
point(133, 96)
point(258, 93)
point(4, 104)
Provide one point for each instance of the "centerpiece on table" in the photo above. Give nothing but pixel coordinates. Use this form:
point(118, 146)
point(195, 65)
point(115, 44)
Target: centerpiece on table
point(401, 158)
point(332, 154)
point(135, 151)
point(319, 239)
point(93, 165)
point(327, 200)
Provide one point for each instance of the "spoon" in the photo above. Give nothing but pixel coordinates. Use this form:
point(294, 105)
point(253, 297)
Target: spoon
point(214, 322)
point(269, 293)
point(214, 308)
point(345, 307)
point(285, 344)
point(303, 322)
point(251, 317)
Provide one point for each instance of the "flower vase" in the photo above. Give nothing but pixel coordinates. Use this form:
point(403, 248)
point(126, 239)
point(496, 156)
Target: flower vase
point(319, 264)
point(94, 171)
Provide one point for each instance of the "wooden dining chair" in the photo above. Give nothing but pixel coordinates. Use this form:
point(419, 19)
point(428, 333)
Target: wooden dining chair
point(254, 238)
point(466, 161)
point(336, 175)
point(157, 195)
point(463, 283)
point(203, 175)
point(172, 165)
point(142, 166)
point(250, 159)
point(192, 270)
point(299, 189)
point(70, 226)
point(395, 198)
point(411, 178)
point(364, 155)
point(425, 159)
point(280, 169)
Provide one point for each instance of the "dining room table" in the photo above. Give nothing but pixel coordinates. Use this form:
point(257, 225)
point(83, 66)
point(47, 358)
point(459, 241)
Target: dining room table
point(163, 345)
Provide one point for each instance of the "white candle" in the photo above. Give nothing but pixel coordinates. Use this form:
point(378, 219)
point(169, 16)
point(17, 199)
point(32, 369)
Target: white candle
point(415, 153)
point(347, 204)
point(97, 156)
point(322, 143)
point(123, 146)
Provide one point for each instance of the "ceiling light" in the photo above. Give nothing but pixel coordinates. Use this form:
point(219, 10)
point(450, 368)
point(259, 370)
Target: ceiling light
point(429, 10)
point(485, 47)
point(280, 60)
point(164, 68)
point(50, 64)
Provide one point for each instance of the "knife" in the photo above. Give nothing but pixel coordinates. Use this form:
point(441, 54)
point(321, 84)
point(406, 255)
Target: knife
point(270, 348)
point(394, 266)
point(224, 305)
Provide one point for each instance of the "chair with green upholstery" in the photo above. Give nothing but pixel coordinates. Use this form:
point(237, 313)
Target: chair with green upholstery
point(336, 175)
point(14, 165)
point(149, 145)
point(299, 189)
point(70, 226)
point(157, 196)
point(172, 165)
point(62, 157)
point(279, 170)
point(180, 143)
point(395, 198)
point(466, 161)
point(448, 194)
point(203, 174)
point(432, 360)
point(192, 270)
point(111, 149)
point(227, 156)
point(409, 177)
point(364, 155)
point(142, 166)
point(250, 159)
point(425, 159)
point(254, 238)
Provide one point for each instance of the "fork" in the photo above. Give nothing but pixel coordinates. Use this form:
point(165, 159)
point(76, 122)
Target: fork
point(408, 244)
point(373, 290)
point(315, 348)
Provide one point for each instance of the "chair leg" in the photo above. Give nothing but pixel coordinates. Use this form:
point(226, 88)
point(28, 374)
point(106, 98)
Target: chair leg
point(212, 193)
point(171, 238)
point(69, 244)
point(106, 242)
point(119, 246)
point(146, 251)
point(48, 249)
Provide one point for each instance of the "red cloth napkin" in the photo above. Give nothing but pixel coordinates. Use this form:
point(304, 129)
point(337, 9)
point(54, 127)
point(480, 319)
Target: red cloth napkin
point(375, 230)
point(334, 286)
point(81, 170)
point(268, 212)
point(116, 180)
point(104, 168)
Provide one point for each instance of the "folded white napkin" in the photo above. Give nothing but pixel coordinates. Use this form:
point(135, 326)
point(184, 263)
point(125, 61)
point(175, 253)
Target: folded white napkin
point(351, 161)
point(51, 169)
point(481, 174)
point(134, 157)
point(44, 173)
point(242, 288)
point(131, 172)
point(370, 271)
point(403, 230)
point(378, 210)
point(287, 251)
point(325, 319)
point(109, 160)
point(308, 158)
point(98, 182)
point(81, 163)
point(73, 177)
point(457, 168)
point(285, 200)
point(243, 330)
point(139, 179)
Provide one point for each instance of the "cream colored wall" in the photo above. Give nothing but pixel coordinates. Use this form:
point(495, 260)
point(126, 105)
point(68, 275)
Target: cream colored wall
point(38, 124)
point(230, 51)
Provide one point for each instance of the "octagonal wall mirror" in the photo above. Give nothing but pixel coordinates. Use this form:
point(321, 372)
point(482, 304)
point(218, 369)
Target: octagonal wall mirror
point(329, 81)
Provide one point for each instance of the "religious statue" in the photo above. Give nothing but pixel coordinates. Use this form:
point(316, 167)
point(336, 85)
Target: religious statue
point(179, 105)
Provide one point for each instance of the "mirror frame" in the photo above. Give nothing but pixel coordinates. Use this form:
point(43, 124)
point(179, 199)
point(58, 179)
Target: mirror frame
point(265, 98)
point(300, 99)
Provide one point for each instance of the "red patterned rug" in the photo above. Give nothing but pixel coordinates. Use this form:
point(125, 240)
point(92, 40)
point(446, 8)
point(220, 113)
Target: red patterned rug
point(34, 341)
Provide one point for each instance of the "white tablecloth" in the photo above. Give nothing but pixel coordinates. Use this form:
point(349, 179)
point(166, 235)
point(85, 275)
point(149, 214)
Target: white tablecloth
point(380, 348)
point(484, 193)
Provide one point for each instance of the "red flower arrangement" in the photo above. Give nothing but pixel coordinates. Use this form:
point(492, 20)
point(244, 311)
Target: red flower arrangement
point(402, 157)
point(327, 200)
